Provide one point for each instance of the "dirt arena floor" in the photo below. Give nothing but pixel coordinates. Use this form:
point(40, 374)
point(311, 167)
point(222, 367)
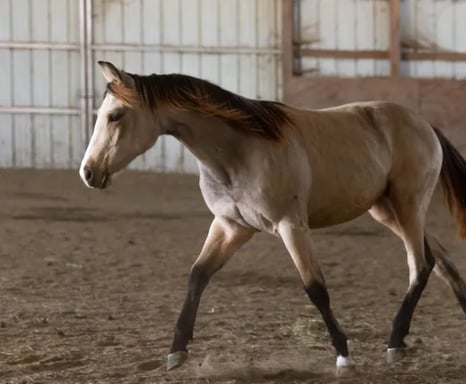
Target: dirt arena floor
point(91, 283)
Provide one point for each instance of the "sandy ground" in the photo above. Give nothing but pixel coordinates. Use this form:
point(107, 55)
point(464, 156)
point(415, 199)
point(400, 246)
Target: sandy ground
point(91, 284)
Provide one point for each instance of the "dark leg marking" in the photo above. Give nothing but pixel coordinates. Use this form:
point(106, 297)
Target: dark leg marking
point(320, 298)
point(456, 282)
point(402, 320)
point(198, 280)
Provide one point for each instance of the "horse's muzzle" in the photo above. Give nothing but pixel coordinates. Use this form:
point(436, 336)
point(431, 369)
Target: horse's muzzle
point(93, 178)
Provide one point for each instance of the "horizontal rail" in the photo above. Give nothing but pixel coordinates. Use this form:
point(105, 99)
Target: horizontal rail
point(141, 48)
point(39, 45)
point(321, 53)
point(434, 56)
point(39, 110)
point(343, 54)
point(185, 49)
point(376, 54)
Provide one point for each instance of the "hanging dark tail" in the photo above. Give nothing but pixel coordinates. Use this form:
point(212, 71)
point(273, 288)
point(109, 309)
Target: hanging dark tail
point(453, 179)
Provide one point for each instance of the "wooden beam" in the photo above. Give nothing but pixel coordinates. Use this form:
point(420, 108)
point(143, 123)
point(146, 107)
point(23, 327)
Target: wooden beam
point(377, 54)
point(432, 56)
point(395, 40)
point(344, 54)
point(287, 38)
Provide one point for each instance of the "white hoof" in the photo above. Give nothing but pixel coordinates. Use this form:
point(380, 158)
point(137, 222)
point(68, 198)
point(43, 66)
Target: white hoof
point(176, 359)
point(345, 367)
point(395, 354)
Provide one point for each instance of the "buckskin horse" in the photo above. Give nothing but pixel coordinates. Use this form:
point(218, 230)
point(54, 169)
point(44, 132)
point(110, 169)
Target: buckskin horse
point(266, 166)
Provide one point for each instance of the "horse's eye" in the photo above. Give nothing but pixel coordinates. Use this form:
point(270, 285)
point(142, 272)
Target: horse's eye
point(113, 117)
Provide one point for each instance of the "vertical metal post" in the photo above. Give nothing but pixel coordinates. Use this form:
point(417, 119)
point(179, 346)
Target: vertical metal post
point(89, 67)
point(83, 61)
point(297, 37)
point(395, 40)
point(287, 40)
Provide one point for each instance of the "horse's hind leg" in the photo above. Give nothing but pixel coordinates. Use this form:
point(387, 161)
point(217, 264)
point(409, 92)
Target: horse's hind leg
point(223, 240)
point(298, 243)
point(406, 219)
point(444, 267)
point(447, 271)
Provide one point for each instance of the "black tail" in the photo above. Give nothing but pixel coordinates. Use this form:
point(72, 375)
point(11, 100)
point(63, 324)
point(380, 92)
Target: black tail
point(453, 178)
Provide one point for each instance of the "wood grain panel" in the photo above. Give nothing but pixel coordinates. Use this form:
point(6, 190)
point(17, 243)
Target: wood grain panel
point(441, 102)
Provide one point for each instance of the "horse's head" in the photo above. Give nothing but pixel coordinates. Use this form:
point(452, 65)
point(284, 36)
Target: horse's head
point(124, 129)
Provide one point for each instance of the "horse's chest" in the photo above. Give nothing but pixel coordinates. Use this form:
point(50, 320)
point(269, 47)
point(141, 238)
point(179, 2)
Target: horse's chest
point(236, 205)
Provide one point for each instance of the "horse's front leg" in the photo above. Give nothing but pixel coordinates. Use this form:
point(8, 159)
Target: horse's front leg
point(297, 241)
point(224, 239)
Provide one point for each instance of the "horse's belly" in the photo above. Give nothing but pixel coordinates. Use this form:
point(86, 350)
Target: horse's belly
point(336, 206)
point(328, 217)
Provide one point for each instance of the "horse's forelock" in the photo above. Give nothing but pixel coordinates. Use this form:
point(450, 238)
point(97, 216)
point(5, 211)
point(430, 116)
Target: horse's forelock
point(128, 96)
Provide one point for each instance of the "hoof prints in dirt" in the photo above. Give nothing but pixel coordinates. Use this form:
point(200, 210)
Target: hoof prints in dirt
point(281, 369)
point(42, 363)
point(35, 196)
point(77, 214)
point(150, 365)
point(63, 214)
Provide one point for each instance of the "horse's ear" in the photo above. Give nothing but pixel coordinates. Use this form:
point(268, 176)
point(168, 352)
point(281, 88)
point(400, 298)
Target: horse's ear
point(113, 74)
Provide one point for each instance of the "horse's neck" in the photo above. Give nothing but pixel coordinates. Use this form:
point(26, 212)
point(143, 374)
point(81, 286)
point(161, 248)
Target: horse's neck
point(216, 145)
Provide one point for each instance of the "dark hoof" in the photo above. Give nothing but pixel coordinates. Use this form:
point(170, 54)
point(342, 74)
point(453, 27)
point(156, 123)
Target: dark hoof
point(176, 359)
point(395, 354)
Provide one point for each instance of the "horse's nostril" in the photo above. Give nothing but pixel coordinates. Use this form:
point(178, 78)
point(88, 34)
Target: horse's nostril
point(88, 175)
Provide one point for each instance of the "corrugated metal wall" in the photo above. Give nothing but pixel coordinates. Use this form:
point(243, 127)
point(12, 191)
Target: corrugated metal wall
point(349, 25)
point(234, 43)
point(41, 78)
point(433, 25)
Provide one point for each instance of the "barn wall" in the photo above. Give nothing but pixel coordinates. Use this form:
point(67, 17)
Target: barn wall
point(434, 88)
point(234, 43)
point(40, 78)
point(433, 25)
point(348, 25)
